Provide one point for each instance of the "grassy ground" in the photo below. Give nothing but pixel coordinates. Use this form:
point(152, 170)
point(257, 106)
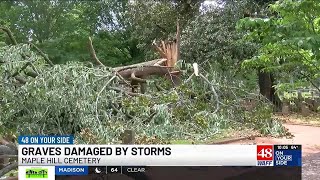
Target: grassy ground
point(225, 135)
point(313, 119)
point(13, 173)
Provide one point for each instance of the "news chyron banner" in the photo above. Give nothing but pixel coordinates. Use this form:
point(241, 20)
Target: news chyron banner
point(57, 157)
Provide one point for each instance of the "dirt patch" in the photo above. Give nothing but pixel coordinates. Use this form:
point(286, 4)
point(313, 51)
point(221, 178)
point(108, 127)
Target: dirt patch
point(311, 166)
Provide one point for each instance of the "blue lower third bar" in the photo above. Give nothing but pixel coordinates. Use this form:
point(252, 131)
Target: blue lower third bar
point(71, 170)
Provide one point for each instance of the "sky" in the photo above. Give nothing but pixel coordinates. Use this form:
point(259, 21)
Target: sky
point(211, 3)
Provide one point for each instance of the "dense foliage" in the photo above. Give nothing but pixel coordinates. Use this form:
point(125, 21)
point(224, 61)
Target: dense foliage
point(221, 36)
point(289, 43)
point(248, 53)
point(74, 98)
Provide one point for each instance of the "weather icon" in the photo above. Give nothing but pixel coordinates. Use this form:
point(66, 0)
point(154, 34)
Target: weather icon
point(97, 170)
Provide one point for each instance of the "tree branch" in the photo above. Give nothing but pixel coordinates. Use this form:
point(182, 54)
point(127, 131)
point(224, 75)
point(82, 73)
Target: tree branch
point(124, 92)
point(11, 178)
point(20, 79)
point(97, 99)
point(46, 58)
point(93, 54)
point(134, 78)
point(213, 91)
point(147, 63)
point(145, 71)
point(10, 35)
point(21, 69)
point(98, 62)
point(310, 81)
point(8, 168)
point(161, 62)
point(31, 73)
point(8, 156)
point(159, 88)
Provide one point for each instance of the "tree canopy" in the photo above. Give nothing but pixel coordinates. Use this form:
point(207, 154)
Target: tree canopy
point(170, 70)
point(289, 43)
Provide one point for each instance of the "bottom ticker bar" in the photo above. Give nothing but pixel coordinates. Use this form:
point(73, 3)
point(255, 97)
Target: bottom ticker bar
point(190, 173)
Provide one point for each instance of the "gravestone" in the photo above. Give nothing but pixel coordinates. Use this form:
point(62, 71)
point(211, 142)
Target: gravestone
point(305, 111)
point(316, 104)
point(285, 108)
point(299, 100)
point(309, 102)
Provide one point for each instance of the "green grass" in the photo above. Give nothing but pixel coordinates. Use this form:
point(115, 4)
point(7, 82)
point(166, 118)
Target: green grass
point(182, 142)
point(12, 173)
point(226, 134)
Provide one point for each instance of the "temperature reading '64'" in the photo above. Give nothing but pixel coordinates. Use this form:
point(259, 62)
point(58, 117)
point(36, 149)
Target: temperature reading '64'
point(114, 169)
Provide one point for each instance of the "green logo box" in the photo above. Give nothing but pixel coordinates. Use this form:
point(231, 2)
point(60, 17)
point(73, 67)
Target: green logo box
point(40, 173)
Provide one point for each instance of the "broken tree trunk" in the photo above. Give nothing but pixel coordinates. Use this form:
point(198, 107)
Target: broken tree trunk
point(143, 69)
point(137, 73)
point(170, 50)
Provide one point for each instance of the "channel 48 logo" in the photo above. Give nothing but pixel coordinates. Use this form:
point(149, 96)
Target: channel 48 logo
point(264, 155)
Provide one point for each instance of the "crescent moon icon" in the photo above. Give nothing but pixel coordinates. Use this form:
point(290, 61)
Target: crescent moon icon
point(97, 170)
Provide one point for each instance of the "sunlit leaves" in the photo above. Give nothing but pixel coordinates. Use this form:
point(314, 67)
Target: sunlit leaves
point(290, 40)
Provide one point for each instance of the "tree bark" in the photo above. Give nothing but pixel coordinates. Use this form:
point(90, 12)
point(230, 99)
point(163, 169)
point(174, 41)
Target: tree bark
point(266, 86)
point(6, 148)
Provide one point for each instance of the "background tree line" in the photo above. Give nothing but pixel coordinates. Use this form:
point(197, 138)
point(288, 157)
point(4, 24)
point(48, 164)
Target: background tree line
point(222, 34)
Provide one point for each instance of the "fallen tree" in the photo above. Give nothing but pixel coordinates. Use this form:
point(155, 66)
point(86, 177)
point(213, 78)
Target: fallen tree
point(138, 73)
point(101, 83)
point(135, 73)
point(94, 103)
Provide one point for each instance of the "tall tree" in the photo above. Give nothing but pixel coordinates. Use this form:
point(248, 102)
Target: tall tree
point(266, 80)
point(212, 37)
point(289, 45)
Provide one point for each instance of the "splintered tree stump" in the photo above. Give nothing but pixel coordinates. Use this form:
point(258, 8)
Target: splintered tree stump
point(138, 73)
point(169, 52)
